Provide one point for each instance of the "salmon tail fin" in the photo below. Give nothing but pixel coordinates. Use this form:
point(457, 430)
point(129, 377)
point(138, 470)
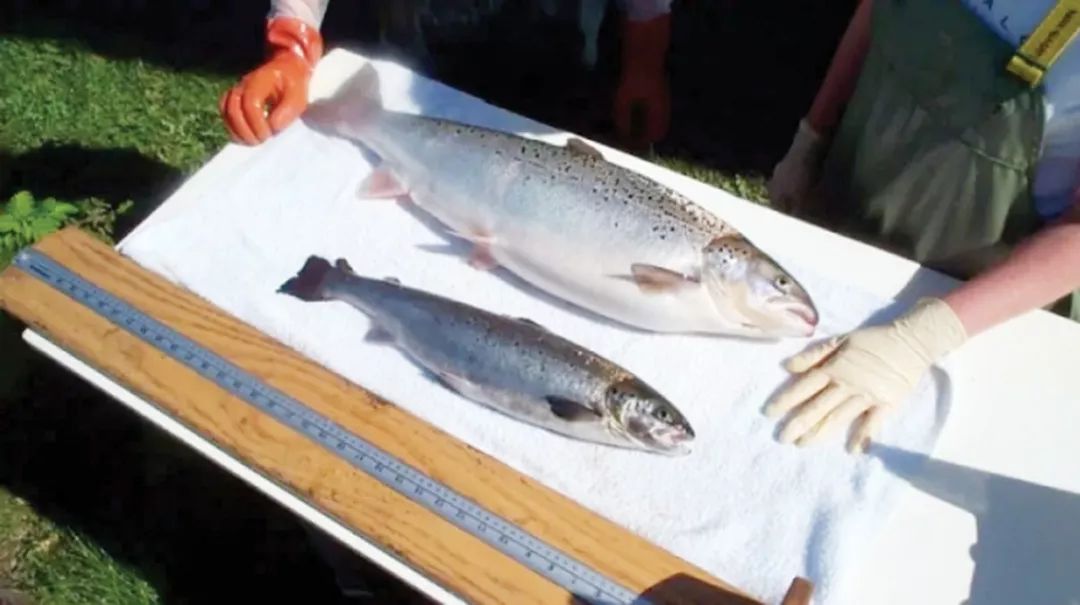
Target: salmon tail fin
point(356, 101)
point(311, 282)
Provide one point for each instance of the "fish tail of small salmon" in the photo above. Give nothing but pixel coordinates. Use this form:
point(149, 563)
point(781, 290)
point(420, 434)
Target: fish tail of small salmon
point(357, 101)
point(310, 283)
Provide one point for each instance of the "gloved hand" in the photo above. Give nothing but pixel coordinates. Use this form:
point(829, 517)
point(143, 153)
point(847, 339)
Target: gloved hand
point(281, 83)
point(862, 376)
point(798, 170)
point(643, 84)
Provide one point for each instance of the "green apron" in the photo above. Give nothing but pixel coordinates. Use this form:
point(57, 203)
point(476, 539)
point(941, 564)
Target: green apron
point(935, 155)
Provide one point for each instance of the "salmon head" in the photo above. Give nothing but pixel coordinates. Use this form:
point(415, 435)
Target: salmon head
point(751, 288)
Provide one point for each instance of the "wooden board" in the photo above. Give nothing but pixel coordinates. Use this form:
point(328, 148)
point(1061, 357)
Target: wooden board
point(452, 558)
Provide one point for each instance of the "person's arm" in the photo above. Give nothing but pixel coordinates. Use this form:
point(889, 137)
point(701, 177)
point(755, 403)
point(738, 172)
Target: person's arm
point(269, 98)
point(796, 172)
point(843, 72)
point(859, 377)
point(643, 85)
point(1038, 272)
point(308, 11)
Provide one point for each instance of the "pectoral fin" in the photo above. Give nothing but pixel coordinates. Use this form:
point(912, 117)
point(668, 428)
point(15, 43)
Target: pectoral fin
point(571, 411)
point(651, 278)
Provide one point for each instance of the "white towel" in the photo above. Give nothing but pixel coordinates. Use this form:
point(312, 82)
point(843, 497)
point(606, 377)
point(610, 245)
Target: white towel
point(744, 507)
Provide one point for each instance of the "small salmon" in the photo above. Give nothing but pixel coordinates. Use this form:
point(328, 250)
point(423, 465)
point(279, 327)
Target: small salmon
point(563, 218)
point(512, 365)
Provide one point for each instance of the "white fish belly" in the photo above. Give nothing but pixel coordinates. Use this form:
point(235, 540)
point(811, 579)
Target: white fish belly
point(601, 282)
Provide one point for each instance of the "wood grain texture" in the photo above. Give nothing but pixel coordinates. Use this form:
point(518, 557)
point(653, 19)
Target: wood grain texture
point(450, 557)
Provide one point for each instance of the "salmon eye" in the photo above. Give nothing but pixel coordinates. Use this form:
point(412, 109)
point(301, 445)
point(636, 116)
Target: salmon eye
point(782, 282)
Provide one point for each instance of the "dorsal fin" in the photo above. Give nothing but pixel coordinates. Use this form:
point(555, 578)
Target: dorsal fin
point(343, 265)
point(580, 146)
point(530, 322)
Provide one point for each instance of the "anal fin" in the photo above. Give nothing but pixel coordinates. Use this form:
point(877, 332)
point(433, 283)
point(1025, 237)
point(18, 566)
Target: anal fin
point(378, 334)
point(481, 259)
point(381, 184)
point(457, 384)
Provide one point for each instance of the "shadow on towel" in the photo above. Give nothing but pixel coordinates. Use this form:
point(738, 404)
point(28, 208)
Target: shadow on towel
point(1028, 536)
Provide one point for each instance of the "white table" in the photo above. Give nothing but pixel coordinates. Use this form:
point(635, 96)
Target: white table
point(1008, 447)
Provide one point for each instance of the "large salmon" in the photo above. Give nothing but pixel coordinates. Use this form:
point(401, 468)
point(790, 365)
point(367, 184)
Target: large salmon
point(563, 218)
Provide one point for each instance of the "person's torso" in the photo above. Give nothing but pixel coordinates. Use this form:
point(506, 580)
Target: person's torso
point(1058, 172)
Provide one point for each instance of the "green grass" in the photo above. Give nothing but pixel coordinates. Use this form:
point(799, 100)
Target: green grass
point(749, 186)
point(59, 92)
point(61, 566)
point(97, 131)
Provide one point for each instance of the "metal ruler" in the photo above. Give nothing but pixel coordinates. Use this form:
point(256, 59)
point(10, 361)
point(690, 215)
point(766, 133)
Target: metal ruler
point(574, 576)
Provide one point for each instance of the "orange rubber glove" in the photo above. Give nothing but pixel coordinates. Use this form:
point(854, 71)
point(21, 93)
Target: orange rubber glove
point(643, 86)
point(269, 98)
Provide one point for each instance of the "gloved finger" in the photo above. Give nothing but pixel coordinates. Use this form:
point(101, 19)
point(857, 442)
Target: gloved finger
point(234, 121)
point(253, 104)
point(840, 416)
point(804, 388)
point(813, 355)
point(223, 111)
point(236, 118)
point(811, 413)
point(289, 106)
point(867, 427)
point(221, 102)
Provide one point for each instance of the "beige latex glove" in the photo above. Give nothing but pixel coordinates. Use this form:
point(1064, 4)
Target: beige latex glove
point(798, 170)
point(862, 376)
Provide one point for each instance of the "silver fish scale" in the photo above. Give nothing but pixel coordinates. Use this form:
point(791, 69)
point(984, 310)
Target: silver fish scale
point(511, 354)
point(668, 212)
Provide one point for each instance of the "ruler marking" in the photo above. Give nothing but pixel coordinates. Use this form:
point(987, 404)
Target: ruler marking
point(509, 539)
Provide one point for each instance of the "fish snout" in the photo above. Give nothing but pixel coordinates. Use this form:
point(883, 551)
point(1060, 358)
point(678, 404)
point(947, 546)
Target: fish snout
point(807, 316)
point(677, 434)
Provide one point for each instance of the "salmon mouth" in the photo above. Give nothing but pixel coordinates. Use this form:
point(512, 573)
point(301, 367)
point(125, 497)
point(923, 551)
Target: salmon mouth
point(680, 437)
point(807, 316)
point(677, 435)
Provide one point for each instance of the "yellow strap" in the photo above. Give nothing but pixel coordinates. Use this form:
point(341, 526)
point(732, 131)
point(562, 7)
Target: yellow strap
point(1035, 56)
